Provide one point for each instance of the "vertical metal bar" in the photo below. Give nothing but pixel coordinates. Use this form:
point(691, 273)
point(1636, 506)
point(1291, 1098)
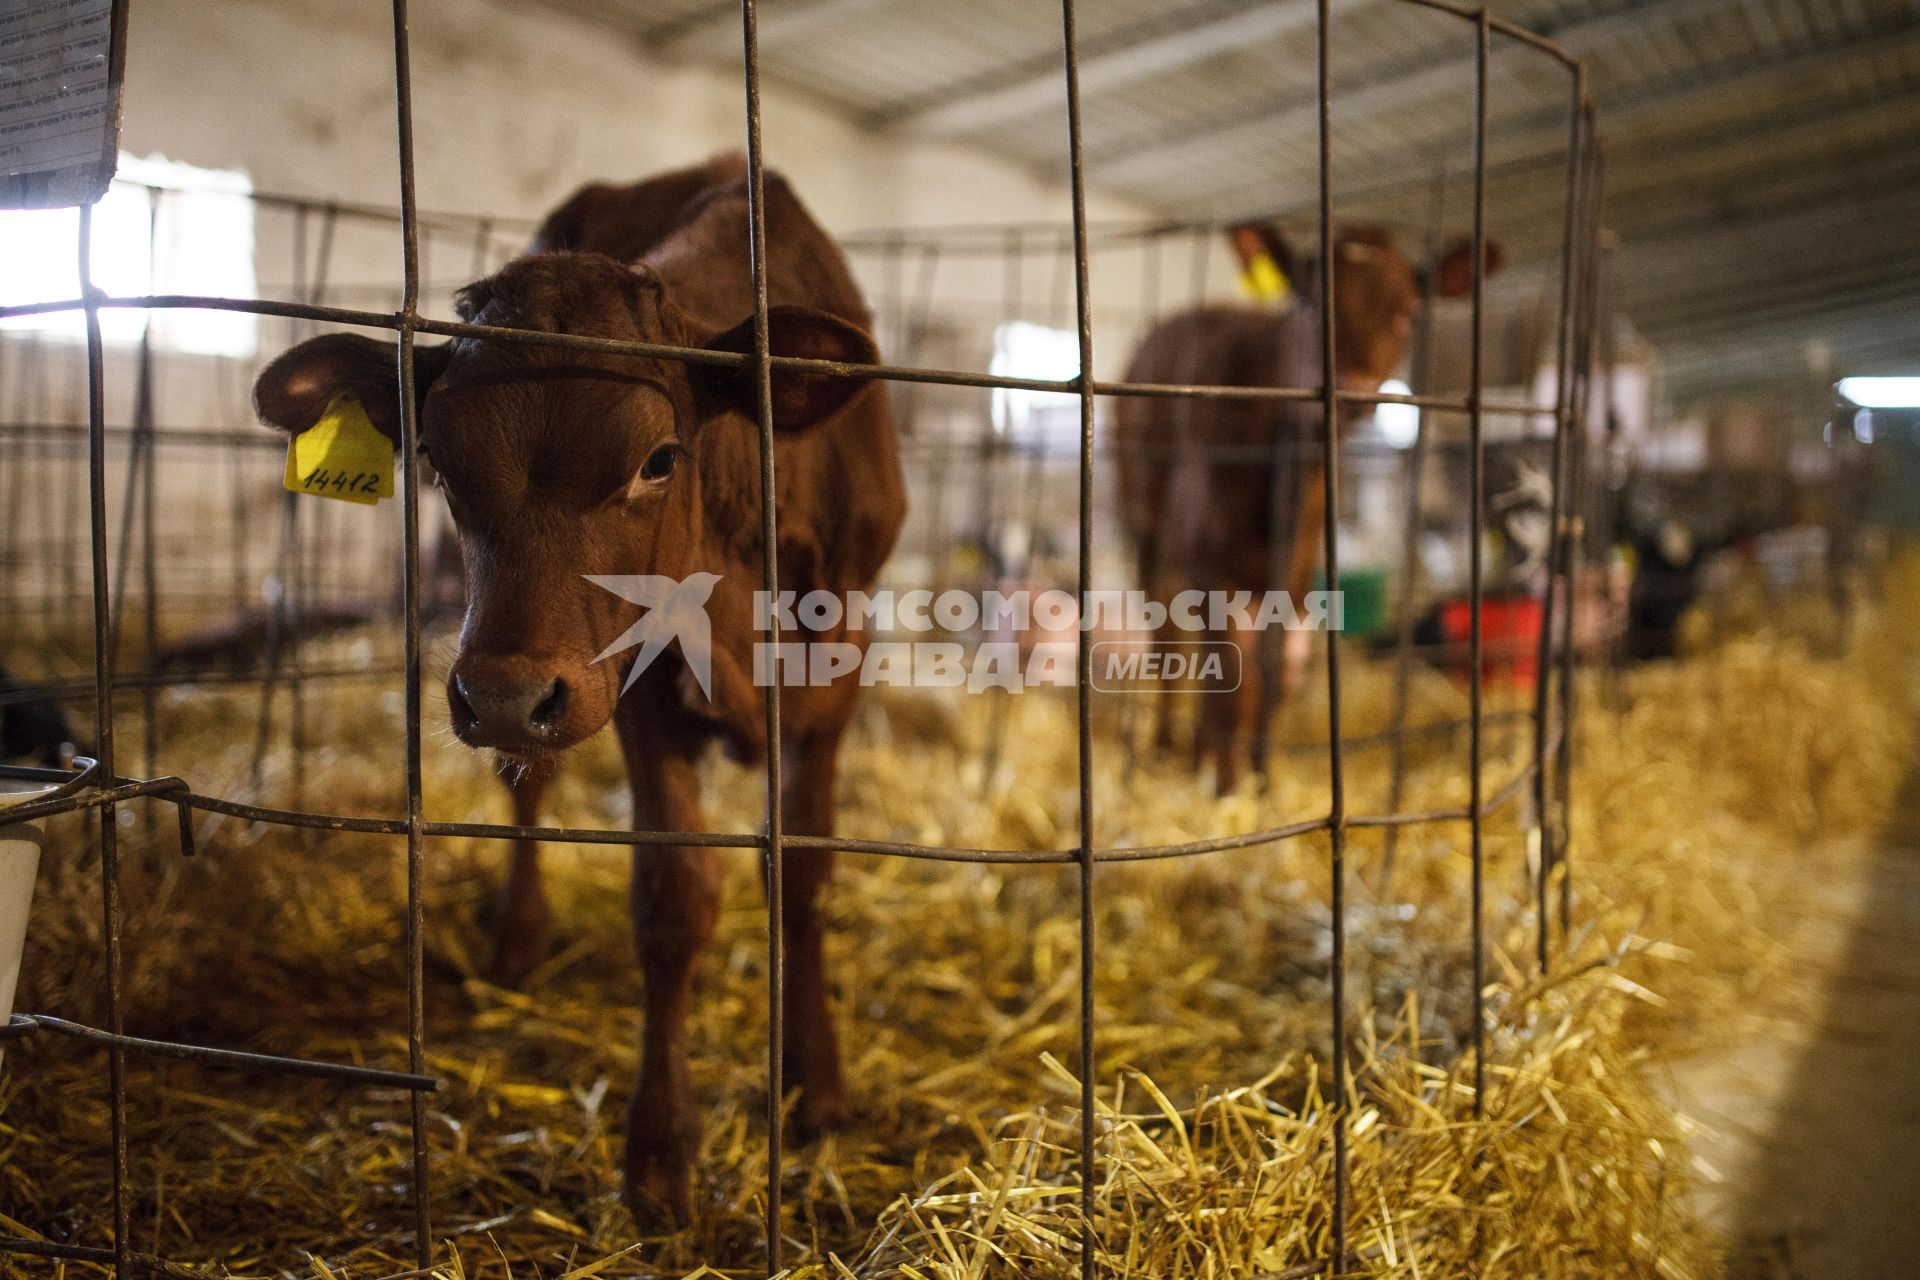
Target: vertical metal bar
point(1000, 484)
point(915, 315)
point(1563, 402)
point(1284, 492)
point(1610, 457)
point(1083, 662)
point(239, 568)
point(142, 441)
point(410, 592)
point(149, 570)
point(1150, 272)
point(307, 567)
point(277, 619)
point(482, 248)
point(891, 310)
point(137, 499)
point(1567, 564)
point(69, 519)
point(1475, 569)
point(1416, 463)
point(986, 445)
point(50, 466)
point(1336, 763)
point(1200, 267)
point(103, 668)
point(1577, 467)
point(104, 659)
point(11, 561)
point(320, 534)
point(1014, 244)
point(769, 532)
point(284, 609)
point(1149, 308)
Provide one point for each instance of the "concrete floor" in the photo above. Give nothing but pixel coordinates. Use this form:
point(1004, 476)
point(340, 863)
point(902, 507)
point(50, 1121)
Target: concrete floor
point(1812, 1107)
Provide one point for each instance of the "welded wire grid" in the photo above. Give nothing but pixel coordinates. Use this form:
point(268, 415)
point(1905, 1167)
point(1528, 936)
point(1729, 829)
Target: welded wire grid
point(99, 788)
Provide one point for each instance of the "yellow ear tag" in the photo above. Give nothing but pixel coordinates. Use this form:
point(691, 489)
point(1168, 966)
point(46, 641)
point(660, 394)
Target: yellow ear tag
point(1264, 281)
point(342, 456)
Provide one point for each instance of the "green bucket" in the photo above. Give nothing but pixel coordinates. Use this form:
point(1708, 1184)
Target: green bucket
point(1363, 600)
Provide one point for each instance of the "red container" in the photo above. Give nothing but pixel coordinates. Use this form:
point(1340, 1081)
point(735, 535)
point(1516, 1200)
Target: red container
point(1509, 638)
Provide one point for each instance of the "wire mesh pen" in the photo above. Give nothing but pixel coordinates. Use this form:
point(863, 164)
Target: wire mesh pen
point(105, 783)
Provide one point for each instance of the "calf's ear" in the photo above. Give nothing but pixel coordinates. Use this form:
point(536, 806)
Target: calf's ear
point(801, 397)
point(1453, 274)
point(291, 393)
point(1252, 241)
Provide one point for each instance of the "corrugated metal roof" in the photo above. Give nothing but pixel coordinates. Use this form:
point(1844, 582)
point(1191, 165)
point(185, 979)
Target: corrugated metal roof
point(1763, 154)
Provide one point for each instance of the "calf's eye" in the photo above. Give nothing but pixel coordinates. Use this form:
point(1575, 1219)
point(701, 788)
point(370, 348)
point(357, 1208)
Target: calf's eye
point(660, 463)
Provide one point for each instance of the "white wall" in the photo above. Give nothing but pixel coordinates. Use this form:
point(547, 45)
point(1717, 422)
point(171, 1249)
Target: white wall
point(515, 106)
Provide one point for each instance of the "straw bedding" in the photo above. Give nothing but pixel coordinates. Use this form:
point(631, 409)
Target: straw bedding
point(957, 991)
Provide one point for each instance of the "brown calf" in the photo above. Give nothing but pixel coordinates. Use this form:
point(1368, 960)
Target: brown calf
point(558, 464)
point(1226, 495)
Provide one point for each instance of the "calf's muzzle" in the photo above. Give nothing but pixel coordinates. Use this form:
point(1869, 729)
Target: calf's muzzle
point(515, 703)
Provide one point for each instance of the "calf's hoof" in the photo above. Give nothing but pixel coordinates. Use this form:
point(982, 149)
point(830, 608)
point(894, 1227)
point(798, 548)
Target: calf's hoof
point(514, 960)
point(815, 1115)
point(657, 1194)
point(521, 939)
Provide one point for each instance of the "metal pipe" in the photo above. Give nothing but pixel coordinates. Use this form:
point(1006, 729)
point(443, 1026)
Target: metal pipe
point(1083, 653)
point(410, 590)
point(1330, 479)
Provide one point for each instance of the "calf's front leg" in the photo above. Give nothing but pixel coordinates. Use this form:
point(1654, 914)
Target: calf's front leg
point(1303, 558)
point(522, 922)
point(811, 1058)
point(1228, 717)
point(676, 905)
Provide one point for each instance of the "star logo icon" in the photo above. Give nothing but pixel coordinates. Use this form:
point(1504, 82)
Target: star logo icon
point(675, 610)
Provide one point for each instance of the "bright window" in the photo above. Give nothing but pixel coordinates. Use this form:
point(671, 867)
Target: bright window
point(200, 243)
point(1023, 350)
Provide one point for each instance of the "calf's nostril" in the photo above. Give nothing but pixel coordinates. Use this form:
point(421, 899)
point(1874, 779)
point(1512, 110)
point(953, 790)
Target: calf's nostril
point(459, 703)
point(552, 705)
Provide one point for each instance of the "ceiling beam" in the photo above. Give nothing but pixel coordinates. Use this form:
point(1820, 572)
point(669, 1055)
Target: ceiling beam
point(1867, 337)
point(1878, 314)
point(1856, 342)
point(1721, 319)
point(1893, 283)
point(664, 33)
point(1747, 163)
point(1657, 281)
point(1877, 206)
point(1391, 84)
point(1525, 134)
point(776, 24)
point(1875, 171)
point(1158, 46)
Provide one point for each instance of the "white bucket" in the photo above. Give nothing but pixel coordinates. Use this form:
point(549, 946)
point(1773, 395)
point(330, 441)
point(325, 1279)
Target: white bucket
point(19, 863)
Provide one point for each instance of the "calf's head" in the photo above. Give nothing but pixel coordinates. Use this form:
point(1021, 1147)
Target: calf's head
point(559, 463)
point(1377, 291)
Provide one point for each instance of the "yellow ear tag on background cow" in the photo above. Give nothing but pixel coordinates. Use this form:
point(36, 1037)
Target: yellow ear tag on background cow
point(342, 456)
point(1264, 281)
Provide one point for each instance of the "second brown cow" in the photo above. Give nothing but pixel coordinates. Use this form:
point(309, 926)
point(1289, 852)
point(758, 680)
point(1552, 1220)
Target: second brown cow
point(1227, 495)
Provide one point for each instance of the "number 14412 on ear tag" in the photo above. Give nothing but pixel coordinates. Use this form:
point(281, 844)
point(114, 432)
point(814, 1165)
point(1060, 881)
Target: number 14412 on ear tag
point(342, 456)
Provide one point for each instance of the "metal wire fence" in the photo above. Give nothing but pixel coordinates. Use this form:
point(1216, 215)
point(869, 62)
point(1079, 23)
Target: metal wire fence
point(102, 785)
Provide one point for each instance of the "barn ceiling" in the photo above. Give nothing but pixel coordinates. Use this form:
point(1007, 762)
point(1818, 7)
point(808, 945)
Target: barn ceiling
point(1763, 155)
